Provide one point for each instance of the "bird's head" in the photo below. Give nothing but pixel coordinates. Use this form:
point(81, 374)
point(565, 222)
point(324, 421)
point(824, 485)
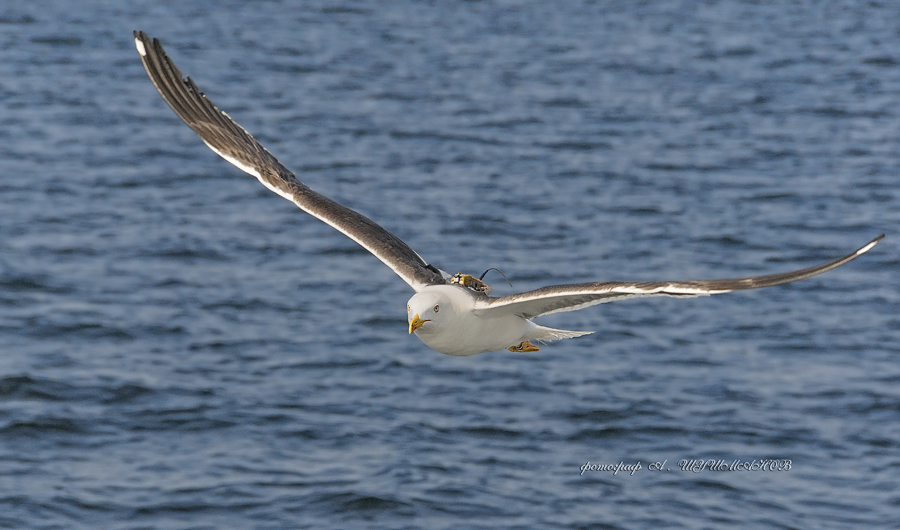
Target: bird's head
point(424, 311)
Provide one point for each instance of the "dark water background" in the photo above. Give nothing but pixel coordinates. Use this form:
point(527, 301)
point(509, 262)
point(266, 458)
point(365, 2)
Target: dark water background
point(181, 348)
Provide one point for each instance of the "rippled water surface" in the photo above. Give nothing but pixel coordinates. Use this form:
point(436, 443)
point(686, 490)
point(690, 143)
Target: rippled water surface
point(181, 348)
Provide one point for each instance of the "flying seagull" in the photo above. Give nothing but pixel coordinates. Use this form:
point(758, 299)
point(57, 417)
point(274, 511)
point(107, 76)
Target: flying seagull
point(454, 315)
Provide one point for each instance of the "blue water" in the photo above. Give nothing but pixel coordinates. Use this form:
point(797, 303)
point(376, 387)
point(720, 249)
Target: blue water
point(182, 349)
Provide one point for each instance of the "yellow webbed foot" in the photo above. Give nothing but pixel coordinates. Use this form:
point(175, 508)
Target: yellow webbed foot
point(523, 347)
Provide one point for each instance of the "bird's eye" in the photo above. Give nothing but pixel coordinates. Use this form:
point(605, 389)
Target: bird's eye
point(407, 308)
point(437, 308)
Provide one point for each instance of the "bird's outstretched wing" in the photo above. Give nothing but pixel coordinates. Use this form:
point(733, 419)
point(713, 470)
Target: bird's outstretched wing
point(558, 298)
point(230, 141)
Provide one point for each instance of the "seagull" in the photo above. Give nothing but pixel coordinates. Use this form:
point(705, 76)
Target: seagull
point(454, 315)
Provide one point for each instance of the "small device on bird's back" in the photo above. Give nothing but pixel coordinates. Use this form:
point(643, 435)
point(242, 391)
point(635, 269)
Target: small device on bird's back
point(476, 284)
point(473, 283)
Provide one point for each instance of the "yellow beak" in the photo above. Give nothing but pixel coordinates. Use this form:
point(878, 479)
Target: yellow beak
point(416, 323)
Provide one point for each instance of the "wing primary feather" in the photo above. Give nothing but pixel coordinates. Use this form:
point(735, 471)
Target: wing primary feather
point(233, 143)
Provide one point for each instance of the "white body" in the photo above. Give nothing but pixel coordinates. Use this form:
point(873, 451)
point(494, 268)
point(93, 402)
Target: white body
point(458, 329)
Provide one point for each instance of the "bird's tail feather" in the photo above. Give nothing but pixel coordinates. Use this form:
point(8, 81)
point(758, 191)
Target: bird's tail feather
point(545, 334)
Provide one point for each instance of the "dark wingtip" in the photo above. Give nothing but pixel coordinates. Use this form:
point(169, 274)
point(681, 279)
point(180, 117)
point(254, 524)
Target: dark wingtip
point(141, 41)
point(865, 248)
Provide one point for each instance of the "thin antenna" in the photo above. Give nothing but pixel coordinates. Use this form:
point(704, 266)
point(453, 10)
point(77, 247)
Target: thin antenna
point(498, 270)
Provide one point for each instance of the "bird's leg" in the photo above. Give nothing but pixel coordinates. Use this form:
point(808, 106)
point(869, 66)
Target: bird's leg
point(523, 347)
